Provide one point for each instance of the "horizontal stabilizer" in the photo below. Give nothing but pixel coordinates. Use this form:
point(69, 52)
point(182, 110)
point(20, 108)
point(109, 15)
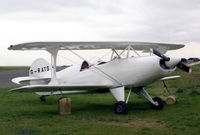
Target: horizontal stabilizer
point(170, 78)
point(20, 80)
point(50, 88)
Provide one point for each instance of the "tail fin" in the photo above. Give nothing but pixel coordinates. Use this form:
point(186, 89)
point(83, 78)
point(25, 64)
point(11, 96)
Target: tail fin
point(40, 68)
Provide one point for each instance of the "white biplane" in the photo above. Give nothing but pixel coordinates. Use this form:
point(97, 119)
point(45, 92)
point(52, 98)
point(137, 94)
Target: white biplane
point(130, 73)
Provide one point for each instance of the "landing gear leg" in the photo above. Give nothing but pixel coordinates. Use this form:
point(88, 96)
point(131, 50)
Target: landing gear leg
point(156, 102)
point(121, 106)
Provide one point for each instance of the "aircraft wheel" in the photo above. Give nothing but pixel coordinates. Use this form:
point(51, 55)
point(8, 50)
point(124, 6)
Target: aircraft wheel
point(160, 103)
point(42, 98)
point(121, 108)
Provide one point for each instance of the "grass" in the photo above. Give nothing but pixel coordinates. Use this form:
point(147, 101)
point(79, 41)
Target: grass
point(92, 114)
point(4, 68)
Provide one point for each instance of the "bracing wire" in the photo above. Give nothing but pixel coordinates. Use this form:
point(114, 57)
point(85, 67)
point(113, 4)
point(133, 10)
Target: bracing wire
point(67, 59)
point(112, 78)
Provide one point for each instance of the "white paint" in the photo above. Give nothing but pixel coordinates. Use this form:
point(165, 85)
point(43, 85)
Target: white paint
point(130, 72)
point(40, 68)
point(118, 93)
point(173, 61)
point(170, 77)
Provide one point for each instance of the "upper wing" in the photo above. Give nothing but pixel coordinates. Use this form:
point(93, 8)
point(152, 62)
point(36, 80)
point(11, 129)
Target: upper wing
point(144, 46)
point(46, 88)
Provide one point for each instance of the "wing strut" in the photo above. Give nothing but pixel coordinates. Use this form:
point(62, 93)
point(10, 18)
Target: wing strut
point(53, 53)
point(127, 49)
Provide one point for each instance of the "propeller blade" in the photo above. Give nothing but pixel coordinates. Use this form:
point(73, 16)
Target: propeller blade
point(184, 67)
point(165, 58)
point(168, 63)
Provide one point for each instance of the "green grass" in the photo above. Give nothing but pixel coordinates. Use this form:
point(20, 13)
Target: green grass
point(2, 68)
point(92, 114)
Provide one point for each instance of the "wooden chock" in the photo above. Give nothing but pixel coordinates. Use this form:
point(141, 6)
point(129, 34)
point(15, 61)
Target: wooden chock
point(171, 99)
point(64, 106)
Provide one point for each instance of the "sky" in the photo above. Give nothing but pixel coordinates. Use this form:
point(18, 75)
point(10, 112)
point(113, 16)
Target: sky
point(168, 21)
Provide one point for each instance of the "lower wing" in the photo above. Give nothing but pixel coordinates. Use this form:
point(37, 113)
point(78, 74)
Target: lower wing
point(51, 88)
point(61, 92)
point(170, 78)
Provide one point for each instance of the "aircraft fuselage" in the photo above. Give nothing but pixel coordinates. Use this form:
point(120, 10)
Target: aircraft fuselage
point(129, 72)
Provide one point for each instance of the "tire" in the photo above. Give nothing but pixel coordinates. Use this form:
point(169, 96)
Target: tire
point(160, 103)
point(42, 99)
point(121, 108)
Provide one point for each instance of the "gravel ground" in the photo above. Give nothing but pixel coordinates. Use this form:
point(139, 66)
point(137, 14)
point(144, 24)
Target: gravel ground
point(6, 77)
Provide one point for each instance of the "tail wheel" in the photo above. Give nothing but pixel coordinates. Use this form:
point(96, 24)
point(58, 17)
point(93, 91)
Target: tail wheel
point(160, 103)
point(121, 108)
point(42, 99)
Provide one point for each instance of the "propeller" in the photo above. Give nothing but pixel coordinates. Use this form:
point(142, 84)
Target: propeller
point(165, 58)
point(172, 61)
point(184, 67)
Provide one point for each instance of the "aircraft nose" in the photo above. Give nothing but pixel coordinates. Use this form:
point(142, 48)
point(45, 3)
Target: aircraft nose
point(173, 61)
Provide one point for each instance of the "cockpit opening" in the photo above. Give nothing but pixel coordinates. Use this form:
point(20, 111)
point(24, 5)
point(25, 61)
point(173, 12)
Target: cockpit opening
point(84, 65)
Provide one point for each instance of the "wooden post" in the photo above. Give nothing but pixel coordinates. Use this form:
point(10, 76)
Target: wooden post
point(64, 106)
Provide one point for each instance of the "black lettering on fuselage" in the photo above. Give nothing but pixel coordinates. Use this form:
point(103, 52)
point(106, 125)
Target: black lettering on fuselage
point(39, 69)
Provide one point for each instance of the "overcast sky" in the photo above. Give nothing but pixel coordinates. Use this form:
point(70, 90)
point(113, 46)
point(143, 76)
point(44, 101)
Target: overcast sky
point(172, 21)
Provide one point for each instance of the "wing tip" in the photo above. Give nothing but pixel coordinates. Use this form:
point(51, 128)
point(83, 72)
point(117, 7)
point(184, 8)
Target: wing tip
point(10, 47)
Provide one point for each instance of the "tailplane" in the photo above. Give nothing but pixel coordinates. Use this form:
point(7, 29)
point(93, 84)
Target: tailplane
point(39, 73)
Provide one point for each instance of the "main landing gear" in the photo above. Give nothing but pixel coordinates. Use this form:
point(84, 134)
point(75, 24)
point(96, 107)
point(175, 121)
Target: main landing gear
point(156, 102)
point(121, 106)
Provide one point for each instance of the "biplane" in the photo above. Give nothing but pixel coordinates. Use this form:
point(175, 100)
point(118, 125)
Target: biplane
point(129, 72)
